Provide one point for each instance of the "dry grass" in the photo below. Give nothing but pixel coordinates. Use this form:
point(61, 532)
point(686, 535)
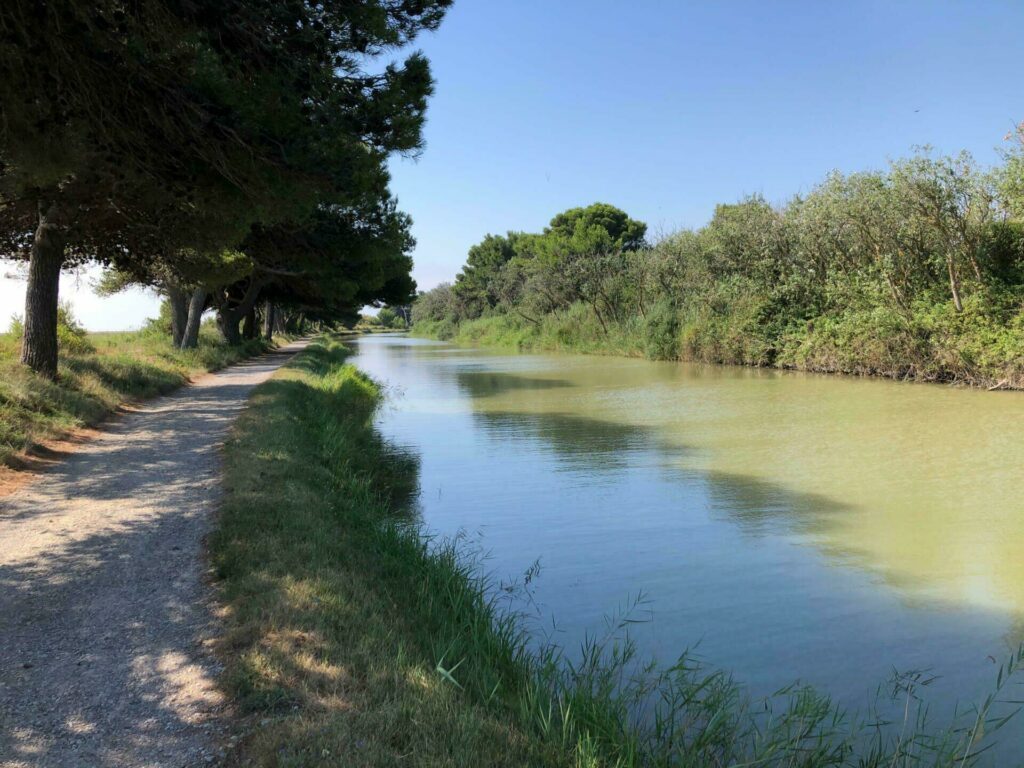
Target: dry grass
point(119, 368)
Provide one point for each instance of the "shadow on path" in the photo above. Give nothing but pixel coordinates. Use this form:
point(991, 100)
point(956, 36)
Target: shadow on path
point(105, 621)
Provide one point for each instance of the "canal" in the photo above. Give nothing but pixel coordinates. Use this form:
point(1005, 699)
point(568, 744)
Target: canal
point(783, 526)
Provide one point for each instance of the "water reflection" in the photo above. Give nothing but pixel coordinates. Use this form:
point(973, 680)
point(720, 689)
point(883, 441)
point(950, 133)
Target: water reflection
point(759, 508)
point(579, 442)
point(484, 383)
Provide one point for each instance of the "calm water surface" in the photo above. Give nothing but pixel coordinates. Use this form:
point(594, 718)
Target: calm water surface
point(790, 526)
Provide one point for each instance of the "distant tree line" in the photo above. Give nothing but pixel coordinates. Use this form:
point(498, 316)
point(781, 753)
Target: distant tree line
point(915, 271)
point(390, 318)
point(230, 154)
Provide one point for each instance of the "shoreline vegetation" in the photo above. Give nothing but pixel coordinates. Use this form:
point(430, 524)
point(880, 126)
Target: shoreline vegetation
point(98, 374)
point(355, 638)
point(912, 273)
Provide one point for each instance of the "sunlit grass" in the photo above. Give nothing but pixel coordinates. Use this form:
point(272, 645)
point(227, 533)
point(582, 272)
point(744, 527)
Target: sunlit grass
point(339, 616)
point(119, 367)
point(933, 343)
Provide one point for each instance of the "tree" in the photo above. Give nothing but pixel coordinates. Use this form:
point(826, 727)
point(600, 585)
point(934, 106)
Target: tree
point(599, 226)
point(387, 317)
point(433, 305)
point(954, 204)
point(236, 113)
point(341, 259)
point(1011, 177)
point(535, 273)
point(749, 239)
point(91, 165)
point(858, 225)
point(474, 285)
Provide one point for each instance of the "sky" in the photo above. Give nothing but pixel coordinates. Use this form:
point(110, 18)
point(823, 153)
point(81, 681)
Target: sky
point(667, 108)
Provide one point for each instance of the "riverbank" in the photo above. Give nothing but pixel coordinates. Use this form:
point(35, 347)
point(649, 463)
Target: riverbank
point(101, 374)
point(351, 639)
point(936, 345)
point(349, 643)
point(914, 272)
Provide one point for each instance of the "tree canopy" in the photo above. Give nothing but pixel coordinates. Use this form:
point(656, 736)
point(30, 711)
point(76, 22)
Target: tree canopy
point(160, 137)
point(497, 262)
point(599, 226)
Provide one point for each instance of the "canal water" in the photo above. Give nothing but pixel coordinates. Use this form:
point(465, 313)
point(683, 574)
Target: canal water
point(787, 526)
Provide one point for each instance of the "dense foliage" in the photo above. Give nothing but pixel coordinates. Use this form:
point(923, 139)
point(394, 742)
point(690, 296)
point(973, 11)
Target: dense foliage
point(227, 154)
point(914, 272)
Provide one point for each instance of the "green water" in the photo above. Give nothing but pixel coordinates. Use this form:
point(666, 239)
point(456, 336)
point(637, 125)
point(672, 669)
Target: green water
point(789, 526)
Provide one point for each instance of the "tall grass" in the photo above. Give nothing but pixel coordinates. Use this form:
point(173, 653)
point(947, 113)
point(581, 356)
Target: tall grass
point(97, 375)
point(356, 639)
point(932, 343)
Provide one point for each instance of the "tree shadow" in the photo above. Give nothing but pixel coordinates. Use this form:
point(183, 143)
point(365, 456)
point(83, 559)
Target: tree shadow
point(104, 619)
point(103, 650)
point(485, 383)
point(127, 375)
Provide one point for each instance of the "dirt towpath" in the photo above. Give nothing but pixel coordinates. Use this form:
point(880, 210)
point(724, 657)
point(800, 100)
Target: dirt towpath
point(105, 620)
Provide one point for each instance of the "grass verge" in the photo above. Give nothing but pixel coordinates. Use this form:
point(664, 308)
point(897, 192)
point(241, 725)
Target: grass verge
point(341, 620)
point(355, 640)
point(108, 370)
point(978, 347)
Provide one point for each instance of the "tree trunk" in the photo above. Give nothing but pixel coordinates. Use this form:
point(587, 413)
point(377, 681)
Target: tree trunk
point(196, 305)
point(599, 318)
point(268, 321)
point(227, 322)
point(897, 295)
point(229, 317)
point(39, 344)
point(177, 298)
point(976, 266)
point(954, 285)
point(249, 324)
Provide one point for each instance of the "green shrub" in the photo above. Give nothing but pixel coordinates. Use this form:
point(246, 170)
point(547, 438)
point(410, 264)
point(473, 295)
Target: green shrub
point(446, 329)
point(161, 324)
point(661, 332)
point(386, 317)
point(71, 334)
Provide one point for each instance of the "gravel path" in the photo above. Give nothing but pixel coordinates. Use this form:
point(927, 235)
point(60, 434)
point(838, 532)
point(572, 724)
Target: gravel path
point(105, 621)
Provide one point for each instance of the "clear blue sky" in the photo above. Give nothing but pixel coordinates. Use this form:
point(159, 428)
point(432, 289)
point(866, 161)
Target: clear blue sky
point(666, 108)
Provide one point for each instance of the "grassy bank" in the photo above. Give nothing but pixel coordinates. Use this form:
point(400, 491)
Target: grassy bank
point(352, 640)
point(553, 333)
point(101, 372)
point(933, 343)
point(340, 620)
